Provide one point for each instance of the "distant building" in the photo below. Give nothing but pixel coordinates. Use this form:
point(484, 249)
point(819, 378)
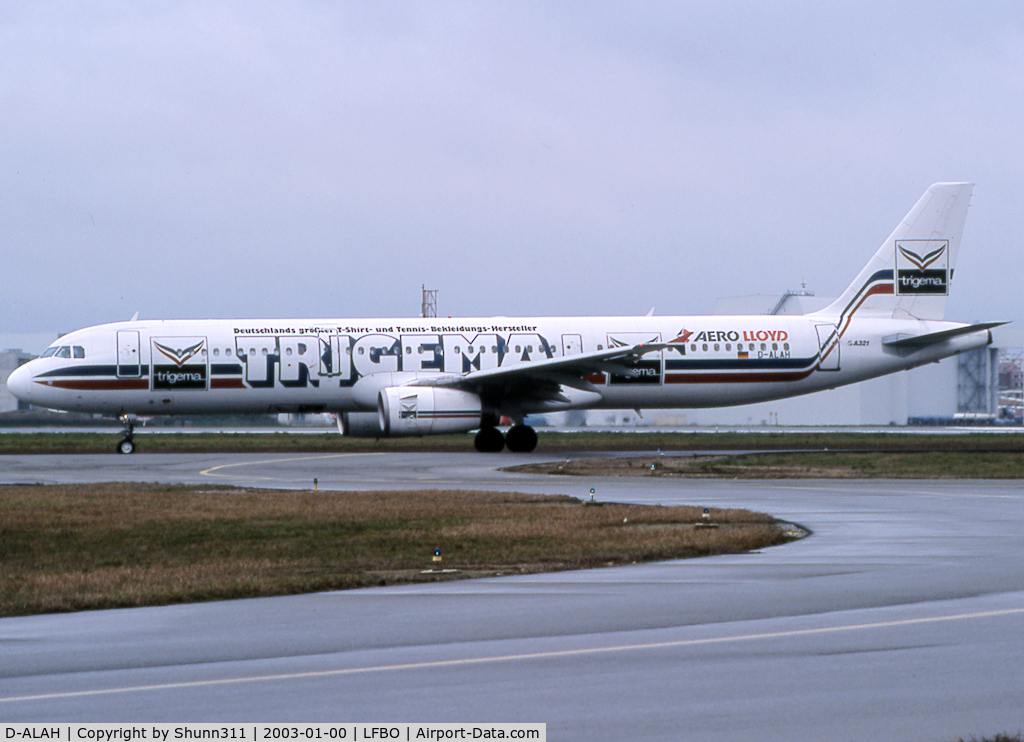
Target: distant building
point(1011, 382)
point(1011, 376)
point(10, 360)
point(791, 302)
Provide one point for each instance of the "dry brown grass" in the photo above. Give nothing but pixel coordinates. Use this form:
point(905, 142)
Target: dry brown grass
point(803, 465)
point(73, 547)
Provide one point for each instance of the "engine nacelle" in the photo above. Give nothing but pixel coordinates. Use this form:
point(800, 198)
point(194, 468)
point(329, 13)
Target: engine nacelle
point(360, 425)
point(425, 410)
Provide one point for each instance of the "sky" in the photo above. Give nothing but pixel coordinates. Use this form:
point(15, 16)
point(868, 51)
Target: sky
point(326, 160)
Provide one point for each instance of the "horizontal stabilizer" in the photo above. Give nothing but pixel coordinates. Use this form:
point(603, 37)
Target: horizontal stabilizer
point(923, 341)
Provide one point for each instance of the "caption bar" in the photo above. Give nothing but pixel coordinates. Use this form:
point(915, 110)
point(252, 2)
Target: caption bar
point(268, 732)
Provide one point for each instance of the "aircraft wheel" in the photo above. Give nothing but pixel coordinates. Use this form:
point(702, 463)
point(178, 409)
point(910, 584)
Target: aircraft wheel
point(127, 445)
point(489, 440)
point(521, 439)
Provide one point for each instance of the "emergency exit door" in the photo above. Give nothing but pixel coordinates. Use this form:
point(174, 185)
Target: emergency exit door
point(129, 366)
point(572, 345)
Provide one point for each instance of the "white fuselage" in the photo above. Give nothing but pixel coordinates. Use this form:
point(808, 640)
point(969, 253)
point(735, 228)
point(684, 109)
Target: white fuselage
point(259, 366)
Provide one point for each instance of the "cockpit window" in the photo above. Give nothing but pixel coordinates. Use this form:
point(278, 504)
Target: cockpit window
point(64, 351)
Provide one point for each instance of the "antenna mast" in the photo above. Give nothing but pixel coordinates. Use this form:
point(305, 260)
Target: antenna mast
point(429, 306)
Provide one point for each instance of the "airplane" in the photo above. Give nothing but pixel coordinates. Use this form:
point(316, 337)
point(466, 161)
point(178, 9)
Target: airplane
point(423, 376)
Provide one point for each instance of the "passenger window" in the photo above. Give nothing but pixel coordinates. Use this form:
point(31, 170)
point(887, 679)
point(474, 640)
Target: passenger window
point(302, 349)
point(785, 346)
point(764, 347)
point(728, 346)
point(704, 347)
point(216, 351)
point(775, 346)
point(79, 351)
point(227, 351)
point(716, 346)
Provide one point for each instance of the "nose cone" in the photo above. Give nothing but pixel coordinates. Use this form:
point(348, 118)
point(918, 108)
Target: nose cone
point(20, 383)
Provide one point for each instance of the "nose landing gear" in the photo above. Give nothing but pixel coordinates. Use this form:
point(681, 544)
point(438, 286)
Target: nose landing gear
point(127, 442)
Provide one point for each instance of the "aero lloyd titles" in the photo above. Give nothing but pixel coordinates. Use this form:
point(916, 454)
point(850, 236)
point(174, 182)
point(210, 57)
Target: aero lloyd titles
point(757, 337)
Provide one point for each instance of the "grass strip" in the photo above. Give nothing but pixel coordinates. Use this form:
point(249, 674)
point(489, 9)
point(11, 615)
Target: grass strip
point(549, 442)
point(948, 464)
point(76, 547)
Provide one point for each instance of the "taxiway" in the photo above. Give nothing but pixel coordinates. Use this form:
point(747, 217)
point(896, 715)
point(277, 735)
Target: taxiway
point(901, 617)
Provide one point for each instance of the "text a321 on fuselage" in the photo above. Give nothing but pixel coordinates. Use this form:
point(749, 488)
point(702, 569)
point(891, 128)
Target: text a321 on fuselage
point(402, 377)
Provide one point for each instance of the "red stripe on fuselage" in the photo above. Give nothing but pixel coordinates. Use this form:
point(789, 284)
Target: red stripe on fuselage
point(98, 385)
point(226, 384)
point(738, 378)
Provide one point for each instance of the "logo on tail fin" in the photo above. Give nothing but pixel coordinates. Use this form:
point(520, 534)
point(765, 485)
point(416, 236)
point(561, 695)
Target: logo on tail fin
point(922, 267)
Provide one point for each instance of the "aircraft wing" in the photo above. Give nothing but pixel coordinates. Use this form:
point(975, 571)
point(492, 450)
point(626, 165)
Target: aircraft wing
point(542, 379)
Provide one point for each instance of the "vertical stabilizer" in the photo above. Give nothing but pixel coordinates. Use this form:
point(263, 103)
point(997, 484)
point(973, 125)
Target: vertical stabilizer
point(911, 274)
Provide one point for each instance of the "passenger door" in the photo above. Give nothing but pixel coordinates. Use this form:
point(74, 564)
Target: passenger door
point(129, 366)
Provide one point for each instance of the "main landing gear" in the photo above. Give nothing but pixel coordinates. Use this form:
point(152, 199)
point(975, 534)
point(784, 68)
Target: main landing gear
point(127, 442)
point(519, 439)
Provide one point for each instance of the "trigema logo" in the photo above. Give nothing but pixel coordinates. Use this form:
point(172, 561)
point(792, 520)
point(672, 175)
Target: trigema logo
point(922, 267)
point(179, 364)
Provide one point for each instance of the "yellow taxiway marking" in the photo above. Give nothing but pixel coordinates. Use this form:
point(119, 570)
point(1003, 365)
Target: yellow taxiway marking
point(211, 471)
point(525, 656)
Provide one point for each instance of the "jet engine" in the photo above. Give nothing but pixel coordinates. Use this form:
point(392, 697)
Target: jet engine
point(424, 410)
point(414, 410)
point(360, 425)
